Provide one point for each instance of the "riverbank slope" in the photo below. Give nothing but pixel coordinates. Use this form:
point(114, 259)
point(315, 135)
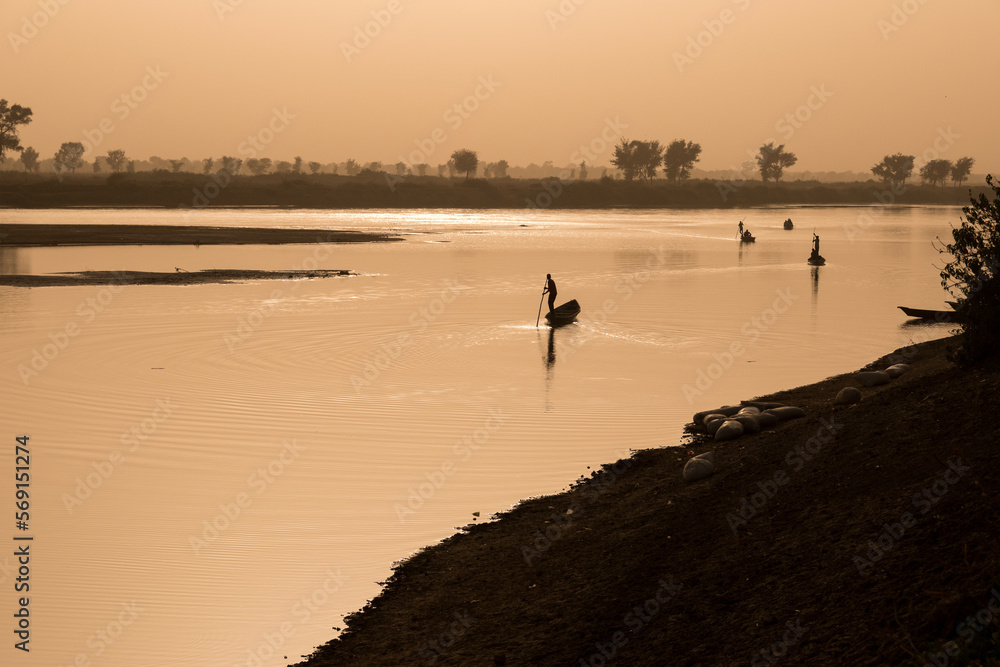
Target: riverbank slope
point(861, 535)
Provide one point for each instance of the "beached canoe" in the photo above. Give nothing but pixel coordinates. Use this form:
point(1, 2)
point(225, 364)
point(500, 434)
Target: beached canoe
point(563, 314)
point(939, 315)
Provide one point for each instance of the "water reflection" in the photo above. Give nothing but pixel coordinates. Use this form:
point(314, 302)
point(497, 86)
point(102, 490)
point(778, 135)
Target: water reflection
point(12, 261)
point(550, 362)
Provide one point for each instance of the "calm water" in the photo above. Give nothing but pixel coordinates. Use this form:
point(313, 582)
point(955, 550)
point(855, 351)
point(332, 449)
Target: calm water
point(220, 469)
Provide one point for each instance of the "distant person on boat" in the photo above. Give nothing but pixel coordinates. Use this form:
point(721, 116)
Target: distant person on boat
point(741, 229)
point(815, 245)
point(550, 289)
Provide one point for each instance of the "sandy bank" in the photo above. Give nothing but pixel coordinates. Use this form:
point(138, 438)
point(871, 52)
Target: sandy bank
point(76, 235)
point(861, 535)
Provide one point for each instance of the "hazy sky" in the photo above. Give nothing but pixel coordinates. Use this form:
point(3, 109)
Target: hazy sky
point(533, 80)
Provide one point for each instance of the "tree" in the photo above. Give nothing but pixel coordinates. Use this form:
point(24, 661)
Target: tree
point(259, 166)
point(130, 167)
point(893, 170)
point(638, 158)
point(679, 159)
point(935, 171)
point(207, 165)
point(772, 161)
point(962, 169)
point(443, 168)
point(500, 169)
point(314, 167)
point(175, 165)
point(351, 168)
point(70, 156)
point(422, 169)
point(973, 275)
point(297, 165)
point(10, 118)
point(228, 164)
point(117, 161)
point(29, 158)
point(282, 167)
point(583, 170)
point(465, 161)
point(401, 168)
point(623, 158)
point(97, 165)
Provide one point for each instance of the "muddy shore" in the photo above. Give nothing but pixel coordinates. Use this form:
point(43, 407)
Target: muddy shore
point(28, 235)
point(861, 535)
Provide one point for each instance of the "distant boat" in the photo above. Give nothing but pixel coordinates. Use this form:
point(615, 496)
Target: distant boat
point(788, 223)
point(816, 260)
point(747, 238)
point(563, 314)
point(939, 315)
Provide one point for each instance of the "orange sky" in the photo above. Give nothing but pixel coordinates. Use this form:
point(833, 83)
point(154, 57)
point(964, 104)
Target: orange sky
point(521, 80)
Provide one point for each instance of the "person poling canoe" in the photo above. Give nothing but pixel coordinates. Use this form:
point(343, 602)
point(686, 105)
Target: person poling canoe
point(550, 289)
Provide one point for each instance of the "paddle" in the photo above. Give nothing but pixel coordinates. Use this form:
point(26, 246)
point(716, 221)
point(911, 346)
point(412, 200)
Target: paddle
point(540, 301)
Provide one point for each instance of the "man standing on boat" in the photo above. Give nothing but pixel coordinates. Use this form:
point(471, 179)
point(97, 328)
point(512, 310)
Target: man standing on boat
point(550, 289)
point(815, 252)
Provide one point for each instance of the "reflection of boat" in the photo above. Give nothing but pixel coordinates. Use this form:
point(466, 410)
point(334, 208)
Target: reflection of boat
point(788, 223)
point(563, 314)
point(816, 260)
point(939, 315)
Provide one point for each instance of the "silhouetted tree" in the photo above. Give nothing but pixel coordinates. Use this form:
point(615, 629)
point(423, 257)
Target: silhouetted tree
point(935, 171)
point(207, 165)
point(228, 164)
point(465, 161)
point(401, 168)
point(422, 169)
point(282, 167)
point(451, 169)
point(351, 168)
point(117, 161)
point(772, 161)
point(973, 275)
point(29, 158)
point(893, 170)
point(962, 169)
point(130, 167)
point(297, 165)
point(314, 167)
point(623, 158)
point(175, 165)
point(259, 166)
point(679, 159)
point(70, 156)
point(97, 165)
point(638, 158)
point(583, 170)
point(500, 169)
point(333, 168)
point(10, 118)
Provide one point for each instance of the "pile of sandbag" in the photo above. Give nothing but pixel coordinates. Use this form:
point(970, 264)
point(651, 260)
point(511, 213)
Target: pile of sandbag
point(851, 395)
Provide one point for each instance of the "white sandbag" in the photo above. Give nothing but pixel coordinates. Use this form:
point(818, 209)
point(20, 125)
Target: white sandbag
point(847, 396)
point(787, 412)
point(730, 430)
point(749, 423)
point(697, 468)
point(766, 419)
point(873, 378)
point(896, 370)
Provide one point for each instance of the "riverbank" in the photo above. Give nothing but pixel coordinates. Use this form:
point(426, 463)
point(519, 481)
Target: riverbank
point(30, 235)
point(858, 535)
point(382, 190)
point(176, 277)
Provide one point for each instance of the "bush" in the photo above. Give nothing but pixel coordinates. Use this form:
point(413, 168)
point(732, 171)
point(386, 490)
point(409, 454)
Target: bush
point(973, 276)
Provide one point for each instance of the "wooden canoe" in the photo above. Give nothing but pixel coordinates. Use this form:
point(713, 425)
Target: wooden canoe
point(563, 314)
point(924, 314)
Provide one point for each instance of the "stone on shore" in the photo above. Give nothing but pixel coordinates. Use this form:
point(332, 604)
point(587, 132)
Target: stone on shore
point(847, 396)
point(748, 422)
point(873, 378)
point(699, 467)
point(727, 410)
point(896, 370)
point(729, 430)
point(787, 412)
